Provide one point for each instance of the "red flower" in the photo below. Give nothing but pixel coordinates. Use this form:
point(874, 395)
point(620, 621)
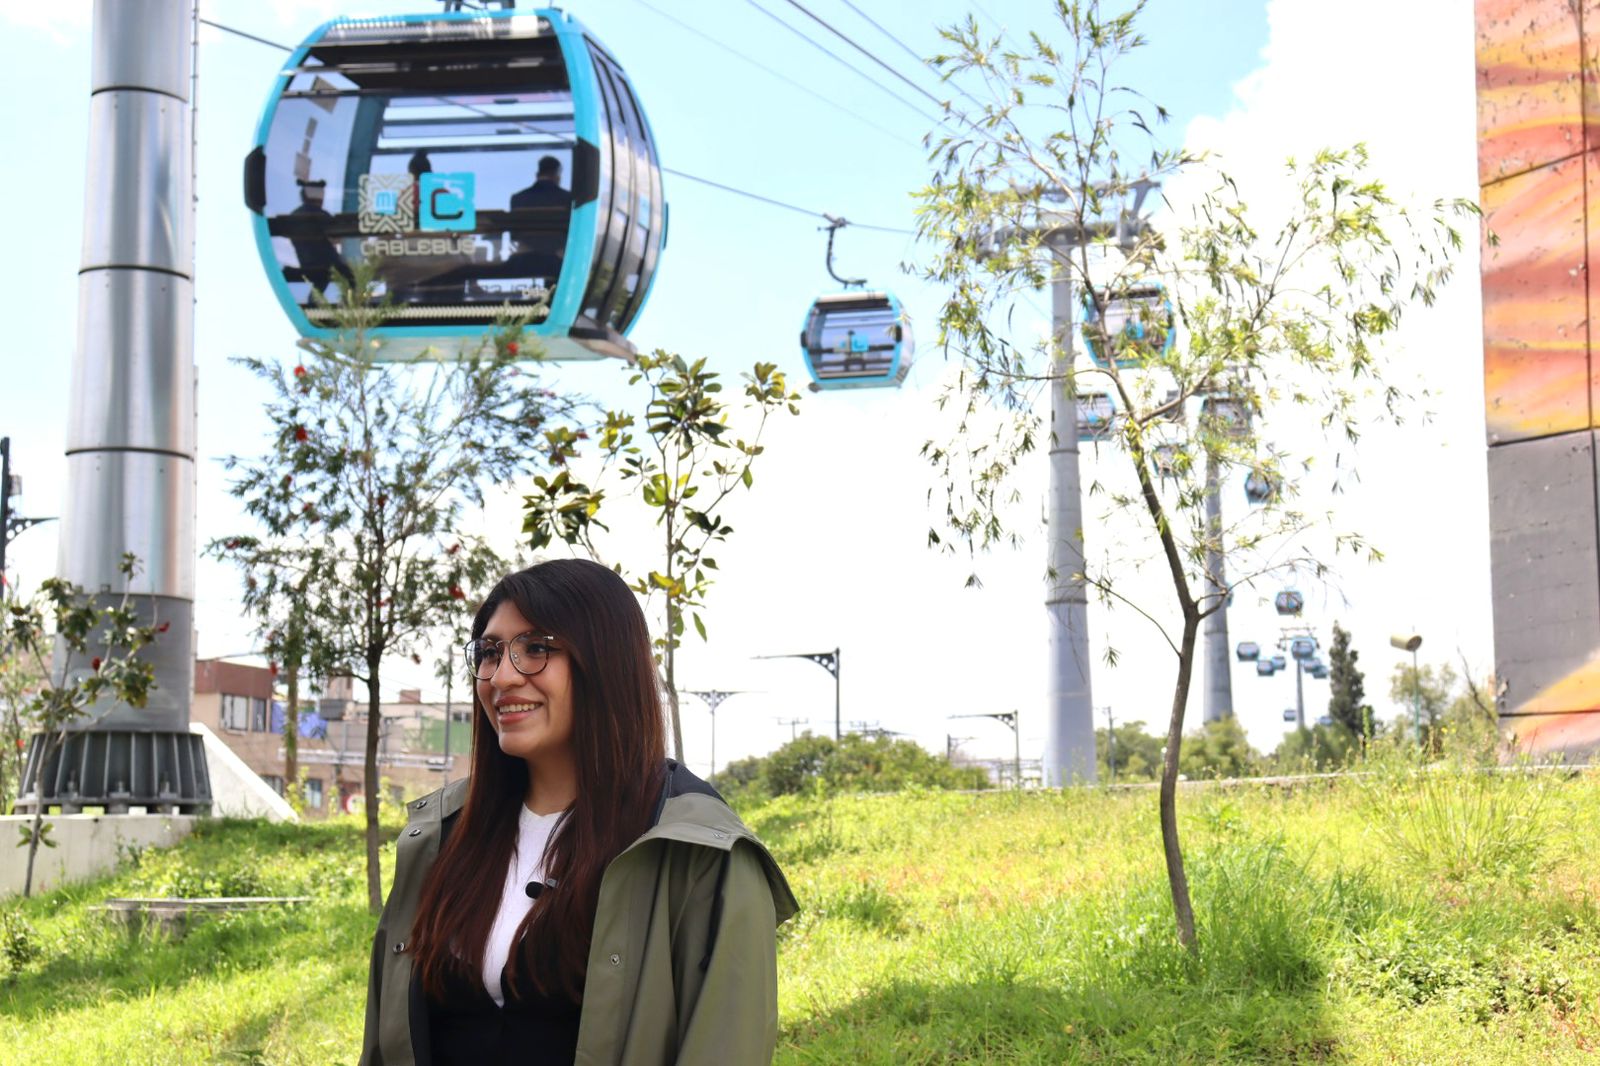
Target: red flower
point(95, 663)
point(234, 543)
point(299, 371)
point(287, 481)
point(383, 499)
point(512, 348)
point(300, 433)
point(454, 548)
point(456, 593)
point(19, 743)
point(272, 668)
point(416, 658)
point(163, 627)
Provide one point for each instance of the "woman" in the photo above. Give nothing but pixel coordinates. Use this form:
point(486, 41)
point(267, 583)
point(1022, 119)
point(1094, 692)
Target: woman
point(579, 898)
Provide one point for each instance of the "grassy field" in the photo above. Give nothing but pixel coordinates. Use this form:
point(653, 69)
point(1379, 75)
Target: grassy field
point(1419, 918)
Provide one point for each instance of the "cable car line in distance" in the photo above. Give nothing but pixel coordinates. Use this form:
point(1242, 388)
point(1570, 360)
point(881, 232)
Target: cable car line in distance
point(781, 77)
point(246, 36)
point(825, 50)
point(825, 24)
point(908, 50)
point(665, 170)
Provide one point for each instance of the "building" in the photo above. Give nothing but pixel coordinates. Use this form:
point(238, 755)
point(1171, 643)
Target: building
point(243, 705)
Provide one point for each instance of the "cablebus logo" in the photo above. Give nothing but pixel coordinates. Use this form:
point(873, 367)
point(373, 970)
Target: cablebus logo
point(393, 206)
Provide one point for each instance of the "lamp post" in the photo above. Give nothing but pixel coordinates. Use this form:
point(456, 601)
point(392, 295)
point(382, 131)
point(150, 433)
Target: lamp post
point(829, 661)
point(1009, 718)
point(1411, 642)
point(713, 699)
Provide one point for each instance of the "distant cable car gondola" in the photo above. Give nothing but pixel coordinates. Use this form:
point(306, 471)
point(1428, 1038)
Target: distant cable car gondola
point(1134, 319)
point(855, 339)
point(1320, 671)
point(1230, 416)
point(1325, 720)
point(1249, 651)
point(1289, 603)
point(1097, 412)
point(1260, 487)
point(1303, 648)
point(1280, 663)
point(484, 162)
point(1290, 715)
point(1264, 668)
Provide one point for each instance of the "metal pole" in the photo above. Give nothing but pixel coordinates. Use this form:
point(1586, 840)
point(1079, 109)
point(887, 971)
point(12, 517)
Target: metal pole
point(130, 480)
point(1219, 667)
point(1016, 742)
point(1300, 693)
point(5, 509)
point(838, 666)
point(1069, 756)
point(1416, 696)
point(449, 713)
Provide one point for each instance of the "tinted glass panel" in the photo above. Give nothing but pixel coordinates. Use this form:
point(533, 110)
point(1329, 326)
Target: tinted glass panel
point(451, 170)
point(636, 223)
point(852, 341)
point(614, 225)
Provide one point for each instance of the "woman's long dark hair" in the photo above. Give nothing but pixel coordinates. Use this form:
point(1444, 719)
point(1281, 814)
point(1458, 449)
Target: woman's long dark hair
point(618, 745)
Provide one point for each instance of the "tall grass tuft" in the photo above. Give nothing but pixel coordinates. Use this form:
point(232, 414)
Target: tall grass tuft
point(1461, 822)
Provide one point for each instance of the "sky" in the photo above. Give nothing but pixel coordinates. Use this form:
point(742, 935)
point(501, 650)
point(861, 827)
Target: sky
point(830, 548)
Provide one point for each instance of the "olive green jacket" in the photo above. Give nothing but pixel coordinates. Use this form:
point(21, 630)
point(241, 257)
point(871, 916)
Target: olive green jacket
point(683, 963)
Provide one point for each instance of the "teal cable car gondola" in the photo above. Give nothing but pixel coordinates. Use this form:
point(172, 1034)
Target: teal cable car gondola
point(1289, 603)
point(1249, 651)
point(483, 162)
point(855, 339)
point(1132, 325)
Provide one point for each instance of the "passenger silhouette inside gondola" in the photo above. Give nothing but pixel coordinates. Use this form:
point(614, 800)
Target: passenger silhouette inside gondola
point(542, 213)
point(318, 256)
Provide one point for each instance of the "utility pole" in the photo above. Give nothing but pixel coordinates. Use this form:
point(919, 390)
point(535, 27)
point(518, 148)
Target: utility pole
point(1069, 756)
point(1219, 665)
point(794, 725)
point(130, 480)
point(1111, 745)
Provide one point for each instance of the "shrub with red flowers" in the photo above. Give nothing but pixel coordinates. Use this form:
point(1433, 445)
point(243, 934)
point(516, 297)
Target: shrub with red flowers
point(364, 498)
point(46, 643)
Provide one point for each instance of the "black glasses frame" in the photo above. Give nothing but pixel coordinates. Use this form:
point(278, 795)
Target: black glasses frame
point(501, 647)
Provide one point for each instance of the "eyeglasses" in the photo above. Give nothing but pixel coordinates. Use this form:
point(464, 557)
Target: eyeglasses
point(530, 653)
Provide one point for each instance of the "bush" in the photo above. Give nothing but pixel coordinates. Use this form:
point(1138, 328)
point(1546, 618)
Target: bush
point(854, 764)
point(19, 943)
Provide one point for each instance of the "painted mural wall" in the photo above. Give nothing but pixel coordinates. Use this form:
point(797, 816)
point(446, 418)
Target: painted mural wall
point(1538, 68)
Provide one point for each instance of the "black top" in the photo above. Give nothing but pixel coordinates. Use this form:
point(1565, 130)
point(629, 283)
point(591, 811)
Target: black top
point(465, 1028)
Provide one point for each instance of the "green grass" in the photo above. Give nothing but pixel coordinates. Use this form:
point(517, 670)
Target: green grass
point(1444, 918)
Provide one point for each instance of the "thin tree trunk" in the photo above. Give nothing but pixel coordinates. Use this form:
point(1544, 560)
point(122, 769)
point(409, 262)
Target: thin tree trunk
point(1177, 879)
point(48, 748)
point(370, 789)
point(672, 682)
point(291, 722)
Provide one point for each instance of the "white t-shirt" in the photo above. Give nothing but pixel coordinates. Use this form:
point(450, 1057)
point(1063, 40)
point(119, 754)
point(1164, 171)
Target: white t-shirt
point(527, 864)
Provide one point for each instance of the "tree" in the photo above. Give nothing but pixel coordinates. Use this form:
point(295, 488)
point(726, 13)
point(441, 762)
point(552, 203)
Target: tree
point(1427, 690)
point(1127, 753)
point(690, 453)
point(21, 676)
point(363, 493)
point(1347, 687)
point(1031, 184)
point(97, 667)
point(1218, 749)
point(1320, 748)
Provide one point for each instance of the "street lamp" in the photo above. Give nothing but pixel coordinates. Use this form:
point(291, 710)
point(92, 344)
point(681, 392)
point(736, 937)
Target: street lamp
point(713, 699)
point(1010, 719)
point(829, 661)
point(1411, 642)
